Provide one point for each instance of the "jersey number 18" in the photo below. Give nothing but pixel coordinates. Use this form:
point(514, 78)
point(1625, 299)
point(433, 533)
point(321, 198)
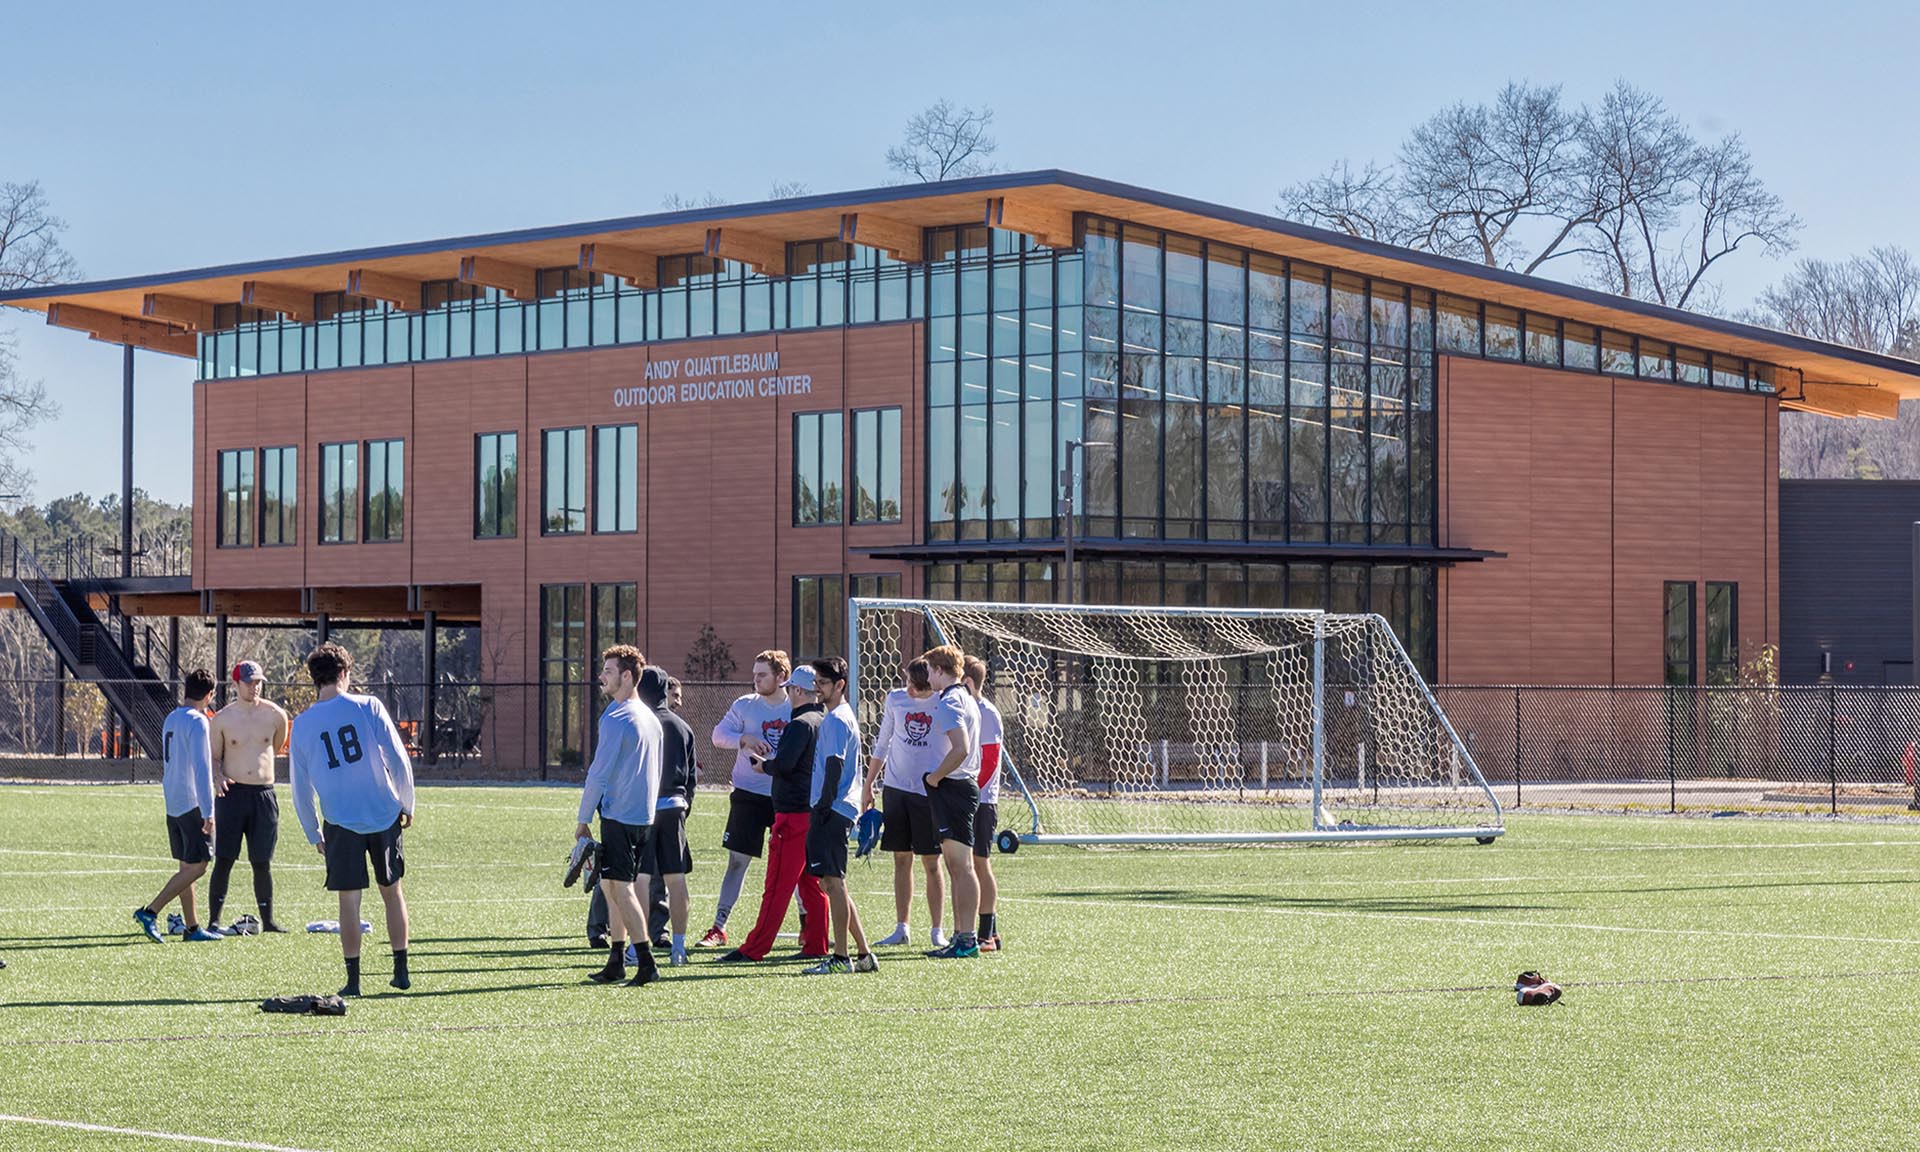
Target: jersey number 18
point(349, 745)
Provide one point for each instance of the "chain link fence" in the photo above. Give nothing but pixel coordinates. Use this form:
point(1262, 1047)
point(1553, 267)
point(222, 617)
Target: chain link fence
point(1667, 748)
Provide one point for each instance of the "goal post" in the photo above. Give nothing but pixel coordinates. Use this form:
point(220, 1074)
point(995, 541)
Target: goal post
point(1141, 725)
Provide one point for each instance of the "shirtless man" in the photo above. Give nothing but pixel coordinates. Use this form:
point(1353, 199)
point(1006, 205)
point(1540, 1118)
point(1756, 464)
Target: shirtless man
point(247, 735)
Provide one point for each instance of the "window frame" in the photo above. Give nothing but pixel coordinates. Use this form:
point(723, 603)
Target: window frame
point(1692, 663)
point(546, 488)
point(837, 580)
point(337, 449)
point(1730, 666)
point(395, 534)
point(631, 493)
point(245, 502)
point(502, 508)
point(821, 503)
point(879, 414)
point(288, 518)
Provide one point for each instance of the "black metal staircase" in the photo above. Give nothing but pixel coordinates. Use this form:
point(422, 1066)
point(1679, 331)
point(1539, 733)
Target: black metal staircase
point(85, 644)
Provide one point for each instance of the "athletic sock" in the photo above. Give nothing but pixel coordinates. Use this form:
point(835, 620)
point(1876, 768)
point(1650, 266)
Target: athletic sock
point(263, 890)
point(616, 967)
point(843, 957)
point(964, 940)
point(986, 925)
point(353, 977)
point(217, 889)
point(400, 978)
point(679, 943)
point(902, 928)
point(730, 884)
point(720, 916)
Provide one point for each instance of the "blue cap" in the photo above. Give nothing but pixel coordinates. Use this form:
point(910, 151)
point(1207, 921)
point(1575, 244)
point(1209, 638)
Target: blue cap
point(801, 678)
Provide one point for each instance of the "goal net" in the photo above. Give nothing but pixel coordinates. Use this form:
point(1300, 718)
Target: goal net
point(1145, 725)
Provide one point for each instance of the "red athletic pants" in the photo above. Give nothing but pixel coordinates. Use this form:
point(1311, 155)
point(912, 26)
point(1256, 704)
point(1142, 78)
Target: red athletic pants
point(786, 870)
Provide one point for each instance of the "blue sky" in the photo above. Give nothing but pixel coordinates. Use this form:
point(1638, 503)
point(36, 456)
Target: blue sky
point(173, 136)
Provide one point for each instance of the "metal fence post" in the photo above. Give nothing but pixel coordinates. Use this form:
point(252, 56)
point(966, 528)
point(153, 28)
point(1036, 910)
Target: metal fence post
point(1673, 775)
point(1833, 773)
point(1517, 761)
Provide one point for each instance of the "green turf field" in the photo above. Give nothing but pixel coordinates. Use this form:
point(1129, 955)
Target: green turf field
point(1734, 984)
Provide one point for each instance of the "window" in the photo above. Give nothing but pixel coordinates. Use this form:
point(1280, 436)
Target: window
point(876, 466)
point(279, 473)
point(1723, 633)
point(496, 478)
point(339, 493)
point(565, 499)
point(616, 478)
point(564, 674)
point(236, 498)
point(616, 620)
point(386, 488)
point(816, 468)
point(884, 584)
point(1679, 632)
point(819, 618)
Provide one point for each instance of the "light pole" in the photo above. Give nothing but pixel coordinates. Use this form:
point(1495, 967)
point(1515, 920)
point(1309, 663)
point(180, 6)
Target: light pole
point(1069, 484)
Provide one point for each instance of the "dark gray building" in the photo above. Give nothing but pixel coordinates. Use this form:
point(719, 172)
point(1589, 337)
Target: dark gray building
point(1847, 580)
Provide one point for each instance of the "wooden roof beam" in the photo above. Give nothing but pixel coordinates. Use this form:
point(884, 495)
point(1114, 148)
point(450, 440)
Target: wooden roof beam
point(637, 268)
point(1844, 400)
point(398, 291)
point(195, 314)
point(294, 304)
point(1050, 226)
point(114, 328)
point(763, 254)
point(516, 280)
point(898, 240)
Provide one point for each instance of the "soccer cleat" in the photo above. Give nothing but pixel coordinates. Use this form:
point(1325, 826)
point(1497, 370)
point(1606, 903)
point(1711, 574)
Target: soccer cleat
point(583, 848)
point(640, 979)
point(200, 935)
point(990, 943)
point(944, 952)
point(608, 974)
point(271, 926)
point(894, 939)
point(598, 942)
point(150, 924)
point(866, 962)
point(831, 966)
point(955, 951)
point(716, 937)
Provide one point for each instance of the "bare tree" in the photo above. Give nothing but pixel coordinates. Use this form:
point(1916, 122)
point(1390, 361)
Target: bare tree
point(30, 255)
point(1524, 180)
point(1870, 302)
point(943, 142)
point(675, 202)
point(788, 190)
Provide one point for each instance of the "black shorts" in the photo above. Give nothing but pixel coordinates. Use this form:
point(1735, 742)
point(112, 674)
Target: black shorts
point(348, 853)
point(827, 844)
point(954, 802)
point(986, 820)
point(667, 850)
point(185, 839)
point(250, 810)
point(749, 819)
point(908, 823)
point(623, 850)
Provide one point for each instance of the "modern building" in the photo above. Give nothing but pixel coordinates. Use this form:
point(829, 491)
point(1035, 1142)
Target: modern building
point(735, 417)
point(1848, 580)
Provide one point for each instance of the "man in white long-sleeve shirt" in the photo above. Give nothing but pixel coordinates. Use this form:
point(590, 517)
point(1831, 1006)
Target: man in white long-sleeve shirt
point(346, 754)
point(751, 731)
point(186, 781)
point(623, 785)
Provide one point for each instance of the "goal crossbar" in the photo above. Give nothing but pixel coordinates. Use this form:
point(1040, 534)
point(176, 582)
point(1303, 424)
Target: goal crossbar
point(1079, 681)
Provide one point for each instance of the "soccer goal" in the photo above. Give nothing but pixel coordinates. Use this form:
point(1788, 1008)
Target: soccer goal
point(1145, 725)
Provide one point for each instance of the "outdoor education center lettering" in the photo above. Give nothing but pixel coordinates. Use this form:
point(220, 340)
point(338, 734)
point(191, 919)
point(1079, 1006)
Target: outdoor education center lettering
point(700, 379)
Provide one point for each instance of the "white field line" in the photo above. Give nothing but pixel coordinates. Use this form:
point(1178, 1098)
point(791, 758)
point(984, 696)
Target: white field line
point(1566, 926)
point(146, 1135)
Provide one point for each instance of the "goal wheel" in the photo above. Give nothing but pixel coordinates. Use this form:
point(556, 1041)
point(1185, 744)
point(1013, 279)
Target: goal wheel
point(1008, 840)
point(1483, 839)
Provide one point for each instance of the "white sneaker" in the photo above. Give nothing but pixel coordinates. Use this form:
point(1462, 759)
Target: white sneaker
point(898, 936)
point(939, 938)
point(677, 960)
point(867, 963)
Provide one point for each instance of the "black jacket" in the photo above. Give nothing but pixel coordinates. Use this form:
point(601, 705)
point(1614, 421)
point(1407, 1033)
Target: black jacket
point(677, 769)
point(792, 763)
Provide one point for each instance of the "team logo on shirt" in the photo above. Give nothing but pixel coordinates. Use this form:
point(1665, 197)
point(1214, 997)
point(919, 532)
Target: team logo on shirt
point(770, 732)
point(918, 725)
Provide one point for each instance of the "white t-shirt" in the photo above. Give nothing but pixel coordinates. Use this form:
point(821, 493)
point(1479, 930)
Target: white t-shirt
point(751, 715)
point(954, 708)
point(991, 730)
point(907, 742)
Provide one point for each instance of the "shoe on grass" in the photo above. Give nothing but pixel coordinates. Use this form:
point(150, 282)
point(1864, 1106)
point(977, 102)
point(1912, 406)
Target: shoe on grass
point(990, 943)
point(150, 924)
point(831, 966)
point(866, 962)
point(939, 938)
point(677, 960)
point(716, 937)
point(737, 957)
point(895, 938)
point(200, 934)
